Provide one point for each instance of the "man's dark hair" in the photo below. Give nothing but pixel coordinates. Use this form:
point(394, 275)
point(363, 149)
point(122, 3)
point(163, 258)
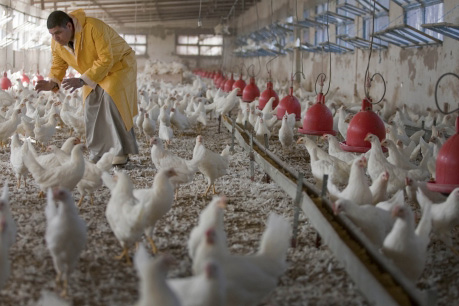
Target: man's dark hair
point(58, 19)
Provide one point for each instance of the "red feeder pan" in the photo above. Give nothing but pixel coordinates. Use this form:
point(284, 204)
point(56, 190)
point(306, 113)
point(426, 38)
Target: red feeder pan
point(290, 104)
point(239, 84)
point(267, 94)
point(229, 84)
point(5, 83)
point(222, 82)
point(250, 91)
point(364, 122)
point(447, 167)
point(318, 120)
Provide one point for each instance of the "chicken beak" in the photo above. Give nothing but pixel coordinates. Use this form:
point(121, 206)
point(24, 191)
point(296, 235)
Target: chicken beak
point(300, 140)
point(396, 211)
point(407, 181)
point(335, 208)
point(222, 202)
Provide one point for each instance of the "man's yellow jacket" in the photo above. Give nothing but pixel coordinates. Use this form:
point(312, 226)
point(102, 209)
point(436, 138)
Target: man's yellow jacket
point(102, 58)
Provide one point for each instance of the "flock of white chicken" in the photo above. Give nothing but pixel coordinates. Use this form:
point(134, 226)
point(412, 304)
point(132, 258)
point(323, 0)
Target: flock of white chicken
point(165, 112)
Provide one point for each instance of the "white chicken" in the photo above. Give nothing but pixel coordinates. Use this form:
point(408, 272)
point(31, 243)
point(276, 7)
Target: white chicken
point(161, 158)
point(339, 168)
point(211, 164)
point(261, 131)
point(92, 177)
point(157, 201)
point(285, 134)
point(357, 189)
point(210, 217)
point(445, 215)
point(226, 104)
point(49, 160)
point(154, 290)
point(165, 132)
point(17, 163)
point(412, 186)
point(321, 167)
point(377, 163)
point(44, 132)
point(66, 234)
point(374, 222)
point(148, 126)
point(335, 150)
point(8, 127)
point(395, 157)
point(66, 175)
point(249, 278)
point(406, 245)
point(379, 188)
point(205, 289)
point(179, 120)
point(124, 212)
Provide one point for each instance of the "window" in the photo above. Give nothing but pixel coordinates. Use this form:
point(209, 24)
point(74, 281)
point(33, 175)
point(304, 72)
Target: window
point(321, 32)
point(199, 45)
point(346, 28)
point(417, 16)
point(137, 42)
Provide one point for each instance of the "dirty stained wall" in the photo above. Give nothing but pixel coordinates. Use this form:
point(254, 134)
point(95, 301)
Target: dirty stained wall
point(410, 73)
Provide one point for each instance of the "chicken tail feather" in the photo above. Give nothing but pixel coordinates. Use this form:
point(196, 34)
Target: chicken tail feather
point(276, 238)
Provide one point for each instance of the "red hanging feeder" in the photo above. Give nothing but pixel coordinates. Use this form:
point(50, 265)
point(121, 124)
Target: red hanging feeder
point(239, 84)
point(267, 94)
point(364, 122)
point(250, 91)
point(447, 165)
point(289, 104)
point(229, 84)
point(217, 78)
point(221, 83)
point(5, 83)
point(318, 120)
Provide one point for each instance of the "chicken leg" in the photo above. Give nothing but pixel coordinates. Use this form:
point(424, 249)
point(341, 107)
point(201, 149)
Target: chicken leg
point(80, 201)
point(207, 190)
point(154, 249)
point(19, 182)
point(91, 198)
point(64, 291)
point(125, 254)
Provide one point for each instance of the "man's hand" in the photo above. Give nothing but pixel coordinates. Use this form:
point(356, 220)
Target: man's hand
point(43, 85)
point(72, 83)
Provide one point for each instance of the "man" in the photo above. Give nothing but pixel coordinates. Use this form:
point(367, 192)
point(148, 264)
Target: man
point(108, 71)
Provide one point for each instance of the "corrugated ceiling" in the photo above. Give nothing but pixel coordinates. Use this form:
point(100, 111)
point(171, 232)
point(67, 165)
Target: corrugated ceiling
point(144, 11)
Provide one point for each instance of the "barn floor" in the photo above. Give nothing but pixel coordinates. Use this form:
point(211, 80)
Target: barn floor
point(314, 276)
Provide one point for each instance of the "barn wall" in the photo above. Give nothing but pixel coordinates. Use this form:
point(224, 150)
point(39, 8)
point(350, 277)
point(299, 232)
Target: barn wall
point(410, 74)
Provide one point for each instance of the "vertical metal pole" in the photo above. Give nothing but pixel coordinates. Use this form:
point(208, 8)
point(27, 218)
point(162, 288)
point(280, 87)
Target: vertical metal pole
point(252, 159)
point(322, 195)
point(233, 131)
point(219, 123)
point(266, 141)
point(296, 213)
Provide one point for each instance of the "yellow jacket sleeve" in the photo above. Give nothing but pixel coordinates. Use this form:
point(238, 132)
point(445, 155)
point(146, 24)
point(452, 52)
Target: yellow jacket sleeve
point(58, 68)
point(104, 62)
